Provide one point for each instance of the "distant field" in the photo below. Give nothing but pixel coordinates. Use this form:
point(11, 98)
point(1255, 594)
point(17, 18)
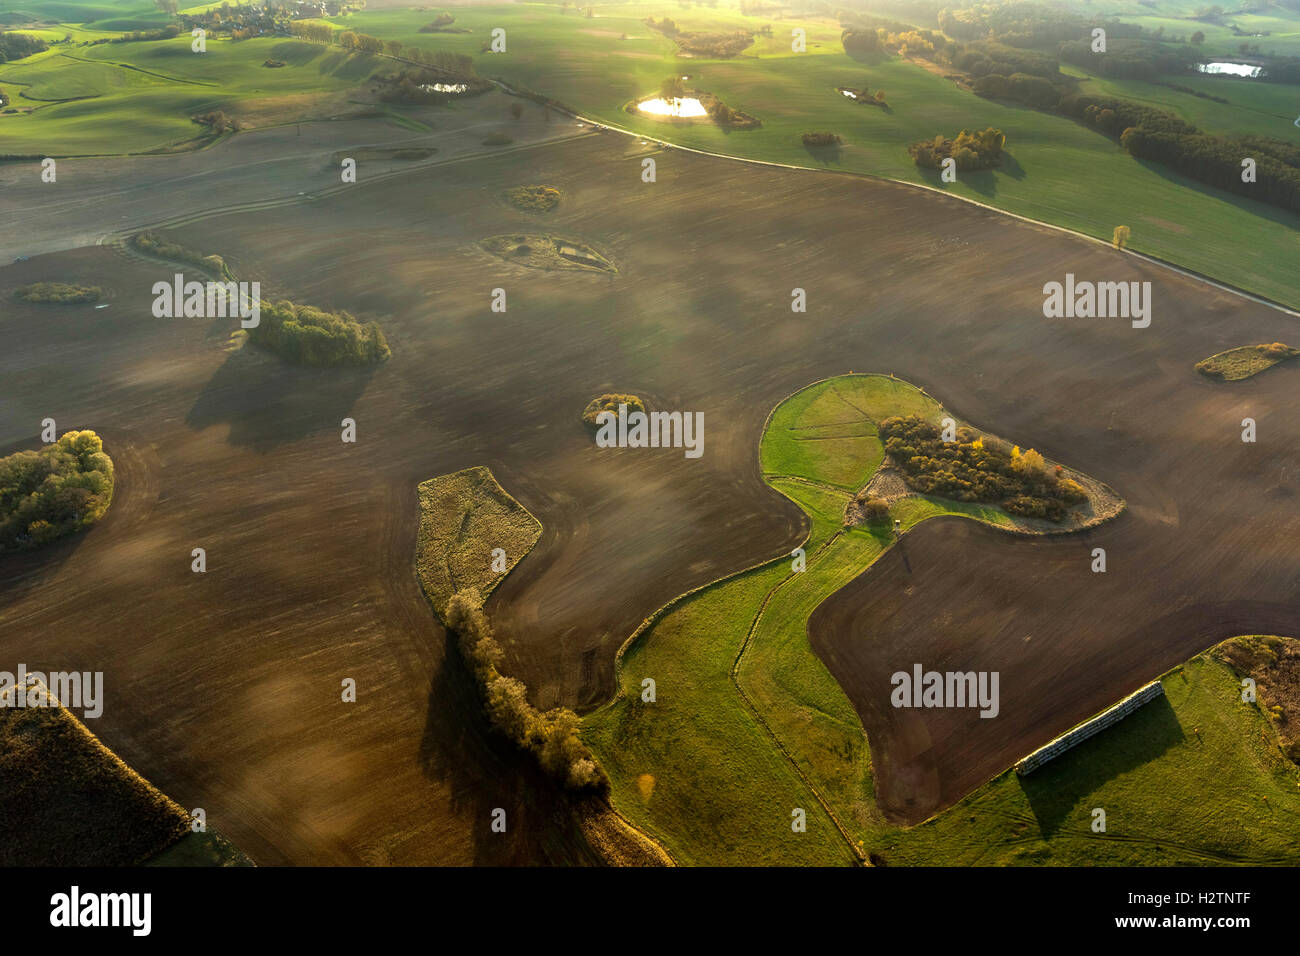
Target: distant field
point(1284, 38)
point(1057, 170)
point(135, 97)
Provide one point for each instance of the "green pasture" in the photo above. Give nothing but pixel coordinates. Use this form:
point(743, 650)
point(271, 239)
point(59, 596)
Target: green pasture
point(134, 97)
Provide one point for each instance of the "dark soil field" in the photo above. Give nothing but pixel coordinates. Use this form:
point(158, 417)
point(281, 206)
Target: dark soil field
point(223, 689)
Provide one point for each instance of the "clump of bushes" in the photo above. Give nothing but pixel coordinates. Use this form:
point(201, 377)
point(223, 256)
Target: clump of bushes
point(724, 115)
point(550, 736)
point(822, 139)
point(53, 492)
point(1245, 361)
point(59, 292)
point(875, 510)
point(442, 23)
point(867, 509)
point(308, 336)
point(865, 96)
point(978, 150)
point(609, 403)
point(497, 139)
point(534, 198)
point(217, 122)
point(973, 469)
point(273, 64)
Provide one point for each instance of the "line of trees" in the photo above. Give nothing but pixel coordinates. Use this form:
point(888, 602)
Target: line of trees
point(53, 492)
point(169, 32)
point(308, 336)
point(550, 736)
point(153, 244)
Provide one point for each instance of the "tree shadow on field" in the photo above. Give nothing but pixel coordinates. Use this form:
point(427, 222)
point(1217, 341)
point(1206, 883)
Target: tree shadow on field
point(825, 155)
point(868, 58)
point(1255, 207)
point(268, 402)
point(983, 181)
point(1010, 167)
point(484, 772)
point(1057, 790)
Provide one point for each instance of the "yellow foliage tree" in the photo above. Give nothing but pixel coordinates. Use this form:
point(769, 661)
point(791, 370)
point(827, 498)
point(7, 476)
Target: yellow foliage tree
point(1120, 238)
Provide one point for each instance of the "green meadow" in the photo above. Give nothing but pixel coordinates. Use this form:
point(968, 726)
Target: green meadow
point(137, 97)
point(748, 724)
point(1253, 108)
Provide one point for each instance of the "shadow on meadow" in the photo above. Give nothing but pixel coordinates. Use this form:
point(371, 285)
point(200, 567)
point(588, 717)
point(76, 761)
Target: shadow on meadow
point(1057, 791)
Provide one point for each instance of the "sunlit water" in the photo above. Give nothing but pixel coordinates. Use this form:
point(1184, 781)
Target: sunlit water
point(1231, 69)
point(689, 106)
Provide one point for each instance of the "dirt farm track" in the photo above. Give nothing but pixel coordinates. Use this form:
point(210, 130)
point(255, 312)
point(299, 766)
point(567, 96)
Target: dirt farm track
point(224, 688)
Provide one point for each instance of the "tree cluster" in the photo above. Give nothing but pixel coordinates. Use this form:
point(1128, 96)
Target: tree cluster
point(52, 492)
point(976, 469)
point(1134, 61)
point(1035, 91)
point(822, 139)
point(609, 403)
point(320, 32)
point(15, 46)
point(217, 122)
point(442, 23)
point(972, 150)
point(982, 58)
point(309, 336)
point(550, 736)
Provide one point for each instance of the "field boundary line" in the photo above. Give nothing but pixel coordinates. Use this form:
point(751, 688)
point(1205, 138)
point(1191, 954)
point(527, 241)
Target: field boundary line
point(758, 717)
point(186, 219)
point(1146, 257)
